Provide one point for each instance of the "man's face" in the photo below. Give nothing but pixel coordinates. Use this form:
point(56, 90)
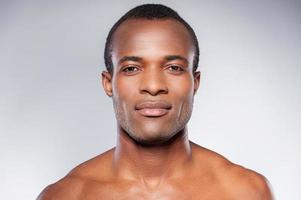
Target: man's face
point(153, 83)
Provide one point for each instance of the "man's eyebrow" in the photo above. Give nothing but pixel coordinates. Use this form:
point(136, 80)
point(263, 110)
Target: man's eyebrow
point(175, 57)
point(130, 58)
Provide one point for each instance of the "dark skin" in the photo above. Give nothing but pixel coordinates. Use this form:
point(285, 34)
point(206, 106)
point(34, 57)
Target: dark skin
point(152, 87)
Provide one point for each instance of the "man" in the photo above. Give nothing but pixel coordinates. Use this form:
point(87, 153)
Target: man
point(151, 56)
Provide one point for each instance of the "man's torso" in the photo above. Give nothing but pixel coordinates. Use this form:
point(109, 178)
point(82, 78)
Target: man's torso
point(212, 177)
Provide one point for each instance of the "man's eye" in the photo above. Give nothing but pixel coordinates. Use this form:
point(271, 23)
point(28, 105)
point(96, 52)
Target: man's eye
point(175, 68)
point(130, 69)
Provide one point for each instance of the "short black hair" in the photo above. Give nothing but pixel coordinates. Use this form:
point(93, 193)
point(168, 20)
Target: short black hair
point(149, 12)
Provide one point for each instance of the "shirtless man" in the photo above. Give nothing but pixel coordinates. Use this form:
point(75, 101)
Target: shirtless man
point(151, 57)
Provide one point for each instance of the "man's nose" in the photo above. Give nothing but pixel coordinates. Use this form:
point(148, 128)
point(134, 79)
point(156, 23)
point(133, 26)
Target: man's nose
point(153, 82)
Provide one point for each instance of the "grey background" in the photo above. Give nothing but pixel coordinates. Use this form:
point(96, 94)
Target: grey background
point(54, 114)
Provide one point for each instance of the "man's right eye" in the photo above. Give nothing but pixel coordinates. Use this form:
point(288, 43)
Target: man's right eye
point(130, 69)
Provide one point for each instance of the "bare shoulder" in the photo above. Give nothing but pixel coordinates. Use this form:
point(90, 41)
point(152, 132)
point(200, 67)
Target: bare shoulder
point(74, 185)
point(67, 188)
point(97, 168)
point(237, 181)
point(245, 183)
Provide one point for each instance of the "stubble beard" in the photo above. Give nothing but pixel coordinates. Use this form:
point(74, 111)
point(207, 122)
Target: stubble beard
point(175, 128)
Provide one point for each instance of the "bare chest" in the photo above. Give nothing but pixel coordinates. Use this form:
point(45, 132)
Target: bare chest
point(165, 192)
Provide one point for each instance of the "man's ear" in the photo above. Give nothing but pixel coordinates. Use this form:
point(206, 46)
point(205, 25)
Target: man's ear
point(107, 83)
point(196, 82)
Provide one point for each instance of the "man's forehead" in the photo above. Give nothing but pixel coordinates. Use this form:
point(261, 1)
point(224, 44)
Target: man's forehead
point(136, 37)
point(133, 28)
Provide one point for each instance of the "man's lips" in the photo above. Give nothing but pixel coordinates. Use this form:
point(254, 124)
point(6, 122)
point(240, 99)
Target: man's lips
point(153, 108)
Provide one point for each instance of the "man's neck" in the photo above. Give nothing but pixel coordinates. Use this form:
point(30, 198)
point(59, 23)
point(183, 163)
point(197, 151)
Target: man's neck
point(151, 163)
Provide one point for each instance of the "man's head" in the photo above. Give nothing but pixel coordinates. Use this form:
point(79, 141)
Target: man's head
point(151, 56)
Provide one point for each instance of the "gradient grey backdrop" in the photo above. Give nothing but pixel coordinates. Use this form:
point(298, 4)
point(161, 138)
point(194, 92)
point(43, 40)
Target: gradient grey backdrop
point(54, 114)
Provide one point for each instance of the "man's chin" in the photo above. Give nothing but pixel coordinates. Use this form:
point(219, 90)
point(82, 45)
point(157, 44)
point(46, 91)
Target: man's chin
point(151, 140)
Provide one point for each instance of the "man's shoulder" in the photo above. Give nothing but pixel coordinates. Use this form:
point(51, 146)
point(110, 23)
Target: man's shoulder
point(236, 180)
point(69, 187)
point(75, 184)
point(96, 168)
point(244, 182)
point(241, 181)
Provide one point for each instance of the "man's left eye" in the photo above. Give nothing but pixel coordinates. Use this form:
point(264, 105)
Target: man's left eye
point(175, 68)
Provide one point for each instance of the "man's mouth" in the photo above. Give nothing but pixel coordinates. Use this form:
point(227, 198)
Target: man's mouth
point(153, 108)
